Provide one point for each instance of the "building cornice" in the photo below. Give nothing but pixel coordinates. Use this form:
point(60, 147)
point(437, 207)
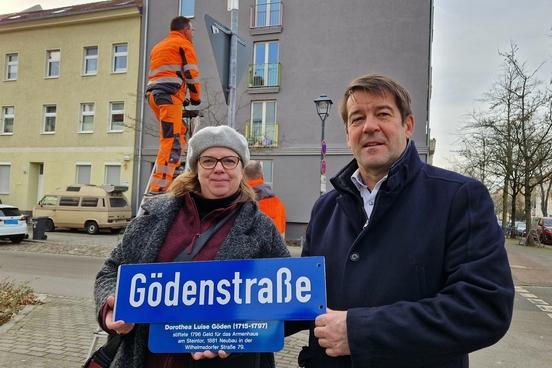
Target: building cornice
point(86, 17)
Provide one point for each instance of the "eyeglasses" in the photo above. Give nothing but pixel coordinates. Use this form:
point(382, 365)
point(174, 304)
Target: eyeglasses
point(228, 162)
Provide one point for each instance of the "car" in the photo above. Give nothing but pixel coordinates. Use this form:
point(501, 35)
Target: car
point(85, 206)
point(544, 230)
point(13, 225)
point(520, 228)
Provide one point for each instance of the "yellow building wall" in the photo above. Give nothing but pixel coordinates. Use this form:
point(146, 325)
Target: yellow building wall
point(60, 152)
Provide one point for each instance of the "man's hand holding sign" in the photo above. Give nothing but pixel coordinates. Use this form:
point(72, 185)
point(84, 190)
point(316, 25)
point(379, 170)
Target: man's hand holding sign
point(331, 331)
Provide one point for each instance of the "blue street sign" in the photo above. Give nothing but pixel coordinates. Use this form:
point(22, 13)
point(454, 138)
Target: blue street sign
point(237, 290)
point(232, 337)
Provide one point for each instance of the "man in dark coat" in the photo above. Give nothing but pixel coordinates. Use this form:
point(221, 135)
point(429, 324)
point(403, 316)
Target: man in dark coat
point(417, 272)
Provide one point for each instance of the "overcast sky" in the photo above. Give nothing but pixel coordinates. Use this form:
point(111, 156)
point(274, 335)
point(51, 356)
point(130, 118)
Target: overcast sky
point(467, 37)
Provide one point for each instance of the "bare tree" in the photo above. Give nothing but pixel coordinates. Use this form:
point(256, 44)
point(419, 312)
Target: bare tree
point(533, 127)
point(511, 142)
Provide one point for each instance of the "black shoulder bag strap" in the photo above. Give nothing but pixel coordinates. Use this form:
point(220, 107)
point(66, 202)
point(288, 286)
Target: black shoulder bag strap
point(201, 240)
point(103, 357)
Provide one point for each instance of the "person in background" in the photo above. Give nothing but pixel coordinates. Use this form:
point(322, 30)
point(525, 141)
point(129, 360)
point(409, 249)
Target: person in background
point(173, 72)
point(417, 271)
point(211, 191)
point(269, 203)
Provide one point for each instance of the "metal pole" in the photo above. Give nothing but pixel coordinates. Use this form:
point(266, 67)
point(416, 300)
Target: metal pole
point(233, 7)
point(137, 184)
point(323, 160)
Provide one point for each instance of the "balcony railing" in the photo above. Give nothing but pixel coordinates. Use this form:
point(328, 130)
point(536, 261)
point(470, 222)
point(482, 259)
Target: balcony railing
point(266, 15)
point(262, 135)
point(264, 75)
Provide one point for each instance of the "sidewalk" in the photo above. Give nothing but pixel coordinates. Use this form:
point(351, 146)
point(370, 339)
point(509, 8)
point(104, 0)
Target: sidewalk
point(59, 332)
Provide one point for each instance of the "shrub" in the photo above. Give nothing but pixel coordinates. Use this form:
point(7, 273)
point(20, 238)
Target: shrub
point(13, 297)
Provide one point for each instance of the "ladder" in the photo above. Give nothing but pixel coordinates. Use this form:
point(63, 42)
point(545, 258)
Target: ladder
point(190, 118)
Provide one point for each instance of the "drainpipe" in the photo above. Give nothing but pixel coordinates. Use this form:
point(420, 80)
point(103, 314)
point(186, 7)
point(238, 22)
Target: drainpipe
point(142, 102)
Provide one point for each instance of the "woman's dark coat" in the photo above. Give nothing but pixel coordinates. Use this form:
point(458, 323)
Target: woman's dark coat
point(253, 235)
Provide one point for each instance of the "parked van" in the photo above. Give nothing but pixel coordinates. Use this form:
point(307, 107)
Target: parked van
point(88, 207)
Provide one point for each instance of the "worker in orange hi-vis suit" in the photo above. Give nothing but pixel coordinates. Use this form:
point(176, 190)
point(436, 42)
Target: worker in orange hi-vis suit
point(173, 71)
point(268, 202)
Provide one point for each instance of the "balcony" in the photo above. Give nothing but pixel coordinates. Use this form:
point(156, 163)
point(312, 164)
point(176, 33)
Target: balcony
point(264, 78)
point(262, 135)
point(266, 18)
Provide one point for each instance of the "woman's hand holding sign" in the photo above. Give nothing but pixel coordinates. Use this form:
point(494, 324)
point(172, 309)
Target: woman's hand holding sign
point(210, 355)
point(119, 327)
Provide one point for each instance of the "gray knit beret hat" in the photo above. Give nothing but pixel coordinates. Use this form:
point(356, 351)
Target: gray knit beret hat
point(216, 136)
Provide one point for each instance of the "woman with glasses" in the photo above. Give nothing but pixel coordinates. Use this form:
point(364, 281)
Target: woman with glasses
point(212, 193)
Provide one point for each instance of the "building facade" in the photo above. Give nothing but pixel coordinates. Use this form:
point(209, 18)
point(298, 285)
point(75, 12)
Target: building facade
point(300, 50)
point(67, 98)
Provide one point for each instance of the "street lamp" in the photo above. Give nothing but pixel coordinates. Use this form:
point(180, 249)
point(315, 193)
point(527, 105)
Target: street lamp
point(323, 105)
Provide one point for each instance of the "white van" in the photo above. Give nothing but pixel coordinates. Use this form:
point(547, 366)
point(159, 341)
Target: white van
point(88, 207)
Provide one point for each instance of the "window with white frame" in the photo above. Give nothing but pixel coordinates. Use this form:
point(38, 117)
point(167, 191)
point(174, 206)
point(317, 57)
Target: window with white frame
point(5, 169)
point(83, 173)
point(112, 173)
point(52, 63)
point(116, 116)
point(50, 118)
point(120, 57)
point(263, 123)
point(11, 66)
point(8, 119)
point(268, 13)
point(266, 67)
point(267, 171)
point(87, 118)
point(90, 60)
point(187, 8)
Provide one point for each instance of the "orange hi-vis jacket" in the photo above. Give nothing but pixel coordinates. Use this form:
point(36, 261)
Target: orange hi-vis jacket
point(269, 203)
point(174, 67)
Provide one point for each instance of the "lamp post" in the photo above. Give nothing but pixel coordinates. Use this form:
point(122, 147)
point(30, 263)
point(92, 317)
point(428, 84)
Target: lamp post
point(323, 105)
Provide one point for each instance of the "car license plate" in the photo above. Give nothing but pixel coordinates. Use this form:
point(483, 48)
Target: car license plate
point(11, 222)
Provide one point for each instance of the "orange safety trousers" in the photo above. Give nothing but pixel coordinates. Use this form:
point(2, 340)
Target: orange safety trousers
point(171, 140)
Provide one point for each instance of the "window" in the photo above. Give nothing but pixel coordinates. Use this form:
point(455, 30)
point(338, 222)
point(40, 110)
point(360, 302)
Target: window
point(69, 201)
point(263, 123)
point(268, 13)
point(52, 63)
point(48, 200)
point(83, 171)
point(5, 169)
point(266, 66)
point(117, 116)
point(120, 54)
point(11, 66)
point(89, 202)
point(267, 171)
point(49, 118)
point(8, 118)
point(117, 202)
point(112, 174)
point(87, 118)
point(90, 61)
point(187, 8)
